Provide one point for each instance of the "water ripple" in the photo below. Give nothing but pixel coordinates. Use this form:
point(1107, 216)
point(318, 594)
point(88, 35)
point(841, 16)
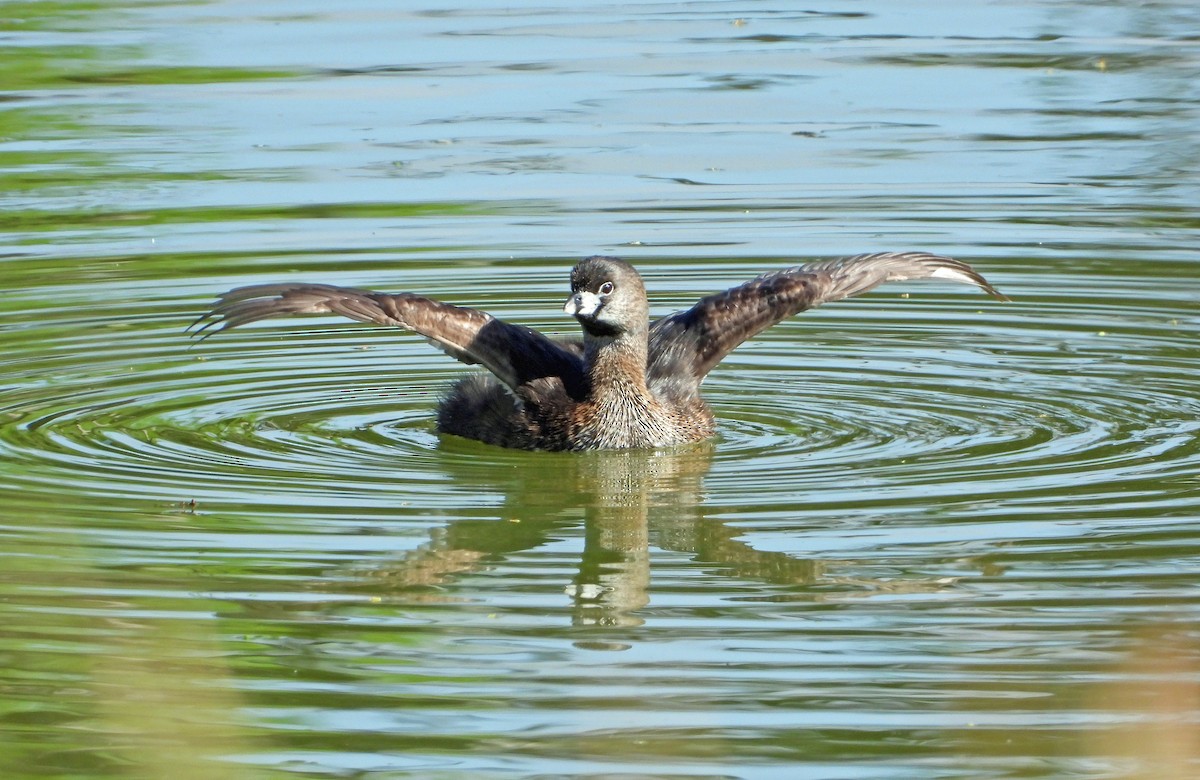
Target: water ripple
point(920, 399)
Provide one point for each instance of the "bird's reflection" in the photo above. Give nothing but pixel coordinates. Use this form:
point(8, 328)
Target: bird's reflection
point(630, 501)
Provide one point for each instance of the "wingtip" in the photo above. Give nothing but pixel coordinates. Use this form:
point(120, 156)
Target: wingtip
point(959, 271)
point(209, 323)
point(987, 287)
point(192, 330)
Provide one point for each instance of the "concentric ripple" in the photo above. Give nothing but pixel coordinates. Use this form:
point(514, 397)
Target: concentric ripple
point(203, 425)
point(923, 399)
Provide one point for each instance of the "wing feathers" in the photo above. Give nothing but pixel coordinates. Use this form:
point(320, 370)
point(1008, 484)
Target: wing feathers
point(516, 355)
point(850, 276)
point(691, 343)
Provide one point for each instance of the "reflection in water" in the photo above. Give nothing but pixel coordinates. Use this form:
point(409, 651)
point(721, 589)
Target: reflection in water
point(629, 500)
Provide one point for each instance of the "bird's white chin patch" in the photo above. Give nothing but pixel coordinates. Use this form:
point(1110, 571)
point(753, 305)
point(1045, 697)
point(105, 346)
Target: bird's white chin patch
point(582, 304)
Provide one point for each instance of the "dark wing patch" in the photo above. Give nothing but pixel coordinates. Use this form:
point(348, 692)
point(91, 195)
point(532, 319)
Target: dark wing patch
point(515, 354)
point(685, 346)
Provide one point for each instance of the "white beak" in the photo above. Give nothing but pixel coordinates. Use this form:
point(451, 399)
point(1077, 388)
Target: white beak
point(582, 304)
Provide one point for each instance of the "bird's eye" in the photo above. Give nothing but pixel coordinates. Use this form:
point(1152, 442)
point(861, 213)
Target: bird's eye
point(606, 288)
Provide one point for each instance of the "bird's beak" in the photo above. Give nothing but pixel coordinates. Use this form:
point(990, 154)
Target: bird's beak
point(582, 304)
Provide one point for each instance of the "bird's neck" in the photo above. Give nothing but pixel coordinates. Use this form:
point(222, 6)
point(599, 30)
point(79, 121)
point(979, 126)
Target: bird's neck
point(617, 365)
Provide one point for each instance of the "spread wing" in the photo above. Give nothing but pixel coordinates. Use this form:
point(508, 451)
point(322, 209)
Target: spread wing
point(515, 354)
point(685, 346)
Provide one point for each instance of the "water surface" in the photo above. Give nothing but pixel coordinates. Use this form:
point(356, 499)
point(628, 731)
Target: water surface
point(937, 537)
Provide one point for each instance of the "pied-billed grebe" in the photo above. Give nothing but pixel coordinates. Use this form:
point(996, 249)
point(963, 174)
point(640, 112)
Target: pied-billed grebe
point(628, 383)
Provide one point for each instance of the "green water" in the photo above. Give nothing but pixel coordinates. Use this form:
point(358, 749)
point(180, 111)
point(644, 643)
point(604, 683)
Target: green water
point(937, 537)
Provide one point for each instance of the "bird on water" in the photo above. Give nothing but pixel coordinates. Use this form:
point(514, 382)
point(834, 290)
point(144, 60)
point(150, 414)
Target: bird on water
point(628, 383)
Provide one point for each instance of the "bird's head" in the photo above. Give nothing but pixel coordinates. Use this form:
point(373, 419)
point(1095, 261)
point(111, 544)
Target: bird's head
point(607, 297)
